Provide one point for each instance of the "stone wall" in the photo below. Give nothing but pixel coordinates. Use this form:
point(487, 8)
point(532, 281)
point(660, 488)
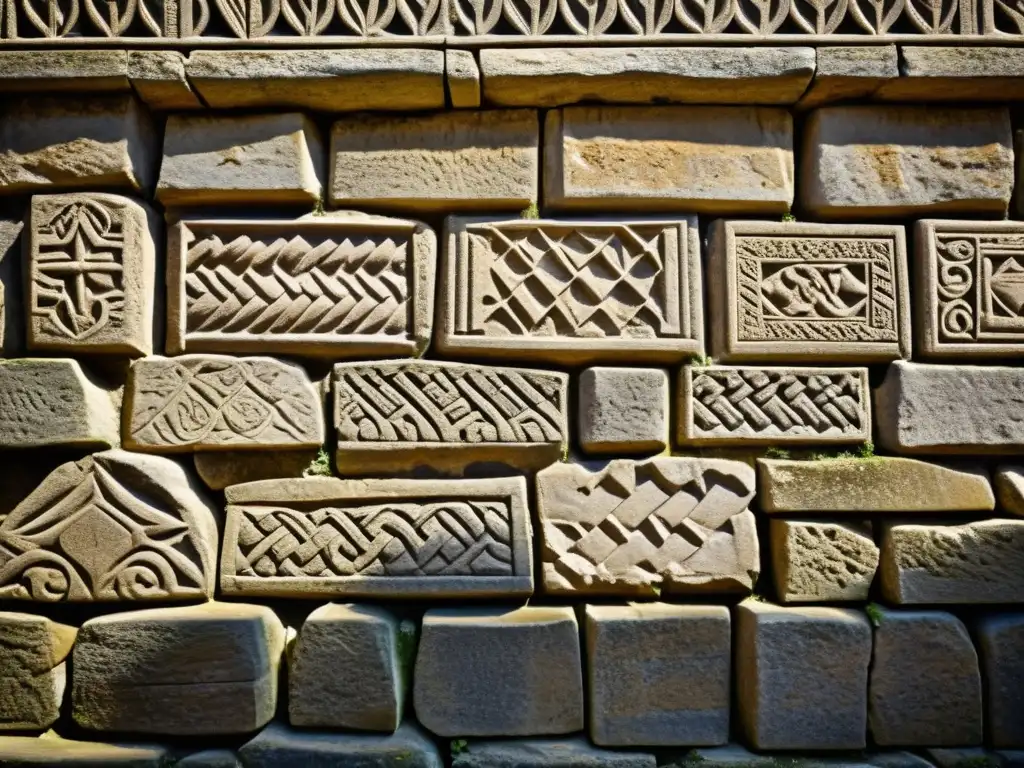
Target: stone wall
point(410, 404)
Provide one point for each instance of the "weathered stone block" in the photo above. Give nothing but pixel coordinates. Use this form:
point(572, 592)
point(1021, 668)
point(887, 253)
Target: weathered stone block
point(499, 672)
point(344, 670)
point(219, 469)
point(145, 671)
point(658, 674)
point(572, 291)
point(64, 71)
point(848, 73)
point(641, 528)
point(51, 750)
point(765, 406)
point(818, 562)
point(115, 526)
point(278, 746)
point(446, 161)
point(91, 274)
point(401, 538)
point(925, 688)
point(394, 416)
point(546, 753)
point(897, 161)
point(462, 74)
point(712, 160)
point(964, 757)
point(951, 409)
point(158, 77)
point(1009, 485)
point(623, 410)
point(956, 73)
point(32, 670)
point(257, 159)
point(216, 402)
point(66, 142)
point(1001, 647)
point(802, 676)
point(876, 484)
point(980, 562)
point(209, 758)
point(813, 293)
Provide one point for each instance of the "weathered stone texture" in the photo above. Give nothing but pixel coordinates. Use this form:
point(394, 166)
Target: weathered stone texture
point(499, 672)
point(97, 71)
point(866, 161)
point(1009, 485)
point(641, 528)
point(51, 750)
point(32, 670)
point(462, 75)
point(158, 77)
point(446, 161)
point(658, 674)
point(209, 758)
point(199, 670)
point(220, 469)
point(547, 753)
point(802, 676)
point(1001, 647)
point(623, 410)
point(925, 687)
point(818, 562)
point(956, 73)
point(709, 160)
point(849, 73)
point(278, 746)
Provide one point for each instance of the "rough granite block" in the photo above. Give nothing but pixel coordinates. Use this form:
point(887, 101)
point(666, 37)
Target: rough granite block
point(324, 537)
point(499, 672)
point(219, 469)
point(623, 410)
point(708, 160)
point(52, 750)
point(658, 674)
point(850, 73)
point(547, 753)
point(820, 562)
point(808, 293)
point(972, 73)
point(278, 746)
point(1001, 647)
point(64, 71)
point(33, 674)
point(462, 76)
point(1009, 485)
point(158, 77)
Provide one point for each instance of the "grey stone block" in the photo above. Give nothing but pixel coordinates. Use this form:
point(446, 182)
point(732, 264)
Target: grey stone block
point(546, 753)
point(33, 674)
point(623, 410)
point(1009, 484)
point(278, 746)
point(822, 562)
point(65, 71)
point(850, 73)
point(462, 75)
point(1001, 648)
point(51, 750)
point(973, 73)
point(210, 758)
point(965, 757)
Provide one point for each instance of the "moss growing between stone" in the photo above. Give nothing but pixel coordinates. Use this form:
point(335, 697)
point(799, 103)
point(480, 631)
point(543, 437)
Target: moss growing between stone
point(320, 466)
point(530, 212)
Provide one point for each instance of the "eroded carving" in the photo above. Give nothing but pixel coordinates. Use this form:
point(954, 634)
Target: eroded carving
point(123, 18)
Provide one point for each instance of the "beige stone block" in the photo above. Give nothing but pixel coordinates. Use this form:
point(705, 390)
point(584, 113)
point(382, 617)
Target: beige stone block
point(708, 160)
point(332, 80)
point(462, 75)
point(219, 469)
point(91, 274)
point(850, 73)
point(256, 159)
point(148, 671)
point(623, 410)
point(819, 562)
point(158, 77)
point(65, 71)
point(446, 161)
point(972, 73)
point(112, 527)
point(1009, 485)
point(341, 285)
point(32, 670)
point(368, 538)
point(896, 161)
point(52, 750)
point(875, 484)
point(668, 525)
point(553, 77)
point(396, 416)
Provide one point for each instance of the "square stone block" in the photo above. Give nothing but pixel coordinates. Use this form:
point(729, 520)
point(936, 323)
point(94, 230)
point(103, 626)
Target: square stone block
point(33, 674)
point(819, 562)
point(658, 674)
point(623, 410)
point(1001, 647)
point(462, 78)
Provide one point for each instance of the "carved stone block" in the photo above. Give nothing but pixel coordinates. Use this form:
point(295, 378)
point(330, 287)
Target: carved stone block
point(808, 293)
point(115, 526)
point(817, 562)
point(278, 746)
point(642, 528)
point(623, 410)
point(572, 291)
point(1000, 639)
point(564, 752)
point(336, 286)
point(401, 538)
point(91, 274)
point(709, 160)
point(32, 670)
point(760, 406)
point(462, 77)
point(397, 415)
point(28, 751)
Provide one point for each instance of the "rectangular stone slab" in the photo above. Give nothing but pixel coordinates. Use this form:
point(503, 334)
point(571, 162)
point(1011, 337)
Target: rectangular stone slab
point(321, 537)
point(336, 285)
point(809, 293)
point(96, 71)
point(956, 73)
point(395, 416)
point(721, 405)
point(544, 289)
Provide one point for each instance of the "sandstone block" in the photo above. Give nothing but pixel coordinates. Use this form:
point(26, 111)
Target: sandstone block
point(278, 746)
point(980, 562)
point(674, 526)
point(925, 688)
point(1009, 485)
point(256, 159)
point(1001, 647)
point(320, 537)
point(811, 293)
point(499, 672)
point(765, 406)
point(89, 71)
point(572, 292)
point(462, 75)
point(345, 670)
point(114, 526)
point(394, 416)
point(216, 402)
point(145, 671)
point(802, 676)
point(817, 562)
point(32, 670)
point(51, 750)
point(876, 484)
point(848, 73)
point(450, 161)
point(956, 73)
point(959, 409)
point(158, 77)
point(547, 753)
point(66, 142)
point(219, 469)
point(91, 274)
point(658, 674)
point(552, 77)
point(623, 410)
point(45, 402)
point(897, 161)
point(709, 160)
